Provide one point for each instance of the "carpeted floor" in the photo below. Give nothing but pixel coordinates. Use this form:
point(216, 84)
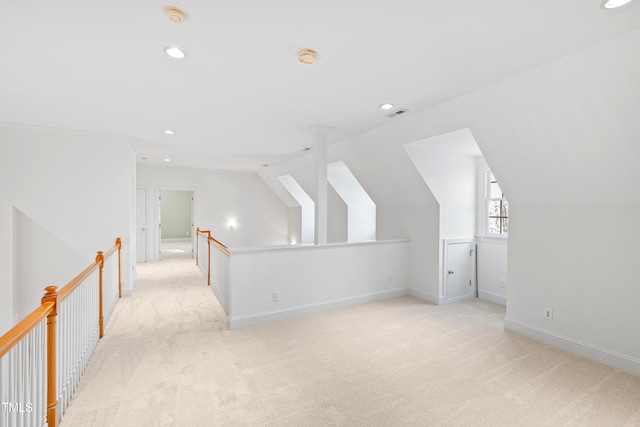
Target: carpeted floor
point(167, 359)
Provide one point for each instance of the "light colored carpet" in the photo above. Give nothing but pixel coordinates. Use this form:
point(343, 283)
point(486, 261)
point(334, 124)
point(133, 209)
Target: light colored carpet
point(175, 249)
point(167, 359)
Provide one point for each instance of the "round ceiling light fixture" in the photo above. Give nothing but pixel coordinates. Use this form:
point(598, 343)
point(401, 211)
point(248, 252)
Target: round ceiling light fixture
point(307, 56)
point(174, 14)
point(175, 52)
point(612, 4)
point(386, 106)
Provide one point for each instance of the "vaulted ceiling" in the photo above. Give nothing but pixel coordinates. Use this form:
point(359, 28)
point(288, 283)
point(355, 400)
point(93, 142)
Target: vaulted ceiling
point(240, 99)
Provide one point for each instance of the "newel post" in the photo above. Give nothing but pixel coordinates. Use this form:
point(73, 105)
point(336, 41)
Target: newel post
point(119, 246)
point(52, 402)
point(100, 261)
point(197, 238)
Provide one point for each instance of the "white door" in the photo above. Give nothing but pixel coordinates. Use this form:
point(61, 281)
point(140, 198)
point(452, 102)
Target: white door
point(459, 271)
point(141, 224)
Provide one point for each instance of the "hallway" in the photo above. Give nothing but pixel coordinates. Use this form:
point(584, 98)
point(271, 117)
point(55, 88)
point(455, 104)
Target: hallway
point(167, 359)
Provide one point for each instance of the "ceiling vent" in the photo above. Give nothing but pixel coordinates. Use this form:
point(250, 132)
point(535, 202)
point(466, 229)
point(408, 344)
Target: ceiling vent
point(397, 113)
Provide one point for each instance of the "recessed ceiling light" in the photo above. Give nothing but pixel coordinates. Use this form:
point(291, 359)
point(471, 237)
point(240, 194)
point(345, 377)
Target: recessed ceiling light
point(169, 132)
point(612, 4)
point(386, 106)
point(174, 52)
point(167, 160)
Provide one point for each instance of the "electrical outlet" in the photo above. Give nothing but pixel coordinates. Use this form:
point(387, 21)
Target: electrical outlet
point(389, 279)
point(276, 296)
point(548, 313)
point(502, 285)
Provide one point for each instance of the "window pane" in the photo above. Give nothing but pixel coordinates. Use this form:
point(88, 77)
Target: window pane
point(505, 225)
point(494, 208)
point(505, 209)
point(496, 192)
point(494, 225)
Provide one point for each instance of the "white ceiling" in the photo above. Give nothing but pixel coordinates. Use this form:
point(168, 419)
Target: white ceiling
point(241, 99)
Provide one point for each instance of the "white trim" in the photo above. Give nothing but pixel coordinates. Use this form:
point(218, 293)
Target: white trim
point(309, 246)
point(496, 239)
point(446, 243)
point(601, 355)
point(492, 297)
point(304, 310)
point(426, 296)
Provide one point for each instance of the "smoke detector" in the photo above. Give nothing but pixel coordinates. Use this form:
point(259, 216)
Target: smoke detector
point(307, 56)
point(174, 14)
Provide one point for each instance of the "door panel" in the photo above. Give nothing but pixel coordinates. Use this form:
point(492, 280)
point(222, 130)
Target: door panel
point(458, 272)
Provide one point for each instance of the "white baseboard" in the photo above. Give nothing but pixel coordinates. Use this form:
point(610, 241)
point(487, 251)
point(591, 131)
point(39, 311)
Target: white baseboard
point(492, 297)
point(425, 296)
point(607, 357)
point(220, 296)
point(127, 292)
point(176, 239)
point(304, 310)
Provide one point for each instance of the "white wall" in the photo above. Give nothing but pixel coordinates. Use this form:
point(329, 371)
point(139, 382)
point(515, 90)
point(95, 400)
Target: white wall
point(8, 286)
point(492, 269)
point(581, 261)
point(450, 173)
point(491, 250)
point(68, 184)
point(313, 278)
point(262, 218)
point(447, 163)
point(337, 217)
point(304, 225)
point(561, 135)
point(361, 210)
point(42, 260)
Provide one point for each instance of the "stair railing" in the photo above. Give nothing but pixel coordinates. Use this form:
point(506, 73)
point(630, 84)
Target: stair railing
point(43, 357)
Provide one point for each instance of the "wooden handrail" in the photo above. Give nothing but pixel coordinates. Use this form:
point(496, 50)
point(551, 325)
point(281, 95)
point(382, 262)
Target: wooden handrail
point(210, 240)
point(110, 251)
point(66, 291)
point(49, 309)
point(19, 331)
point(219, 245)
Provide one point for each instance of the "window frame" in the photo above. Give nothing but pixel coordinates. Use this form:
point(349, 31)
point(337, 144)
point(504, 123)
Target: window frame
point(490, 179)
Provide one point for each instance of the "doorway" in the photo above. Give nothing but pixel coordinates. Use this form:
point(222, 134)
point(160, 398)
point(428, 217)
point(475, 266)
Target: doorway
point(175, 223)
